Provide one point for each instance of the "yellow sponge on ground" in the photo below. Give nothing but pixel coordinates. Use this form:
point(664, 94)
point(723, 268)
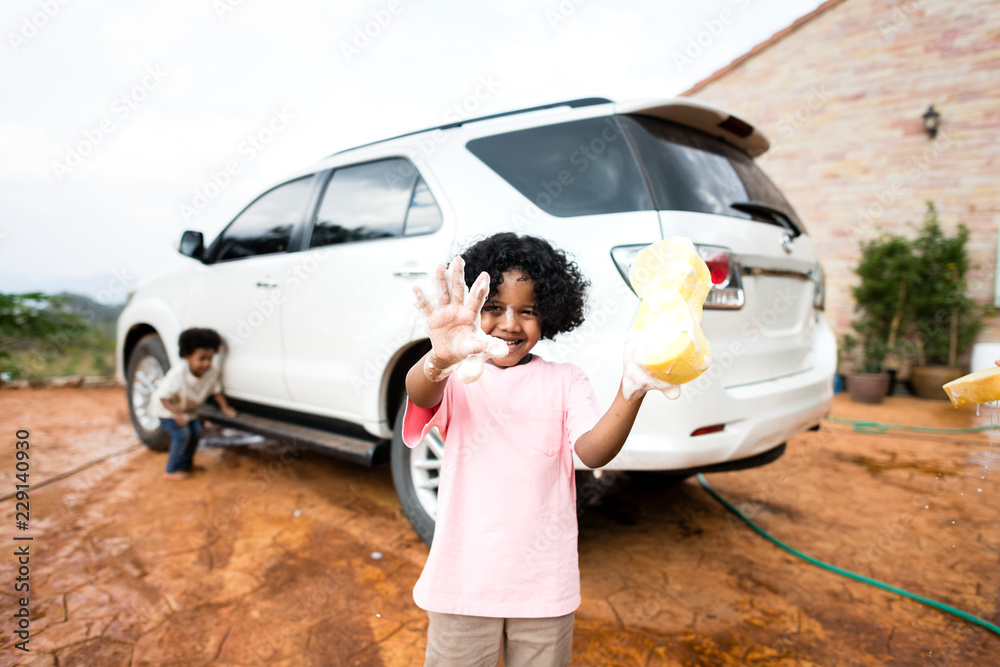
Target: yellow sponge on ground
point(979, 387)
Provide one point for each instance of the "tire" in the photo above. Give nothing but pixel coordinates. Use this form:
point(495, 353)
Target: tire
point(657, 478)
point(414, 474)
point(148, 365)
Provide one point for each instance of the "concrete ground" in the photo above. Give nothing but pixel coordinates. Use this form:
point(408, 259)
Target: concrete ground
point(269, 558)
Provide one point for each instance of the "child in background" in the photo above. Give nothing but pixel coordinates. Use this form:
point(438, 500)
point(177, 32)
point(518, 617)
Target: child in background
point(503, 573)
point(182, 391)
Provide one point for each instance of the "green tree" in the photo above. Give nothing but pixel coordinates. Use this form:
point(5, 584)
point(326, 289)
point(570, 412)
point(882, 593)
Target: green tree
point(33, 320)
point(945, 320)
point(887, 272)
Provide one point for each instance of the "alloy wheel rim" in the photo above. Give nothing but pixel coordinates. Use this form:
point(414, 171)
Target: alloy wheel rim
point(147, 374)
point(425, 471)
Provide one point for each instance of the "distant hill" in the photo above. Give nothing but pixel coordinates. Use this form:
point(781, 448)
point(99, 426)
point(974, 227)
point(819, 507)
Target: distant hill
point(94, 287)
point(96, 313)
point(62, 334)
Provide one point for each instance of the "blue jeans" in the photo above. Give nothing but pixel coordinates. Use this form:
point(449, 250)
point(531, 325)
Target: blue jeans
point(183, 442)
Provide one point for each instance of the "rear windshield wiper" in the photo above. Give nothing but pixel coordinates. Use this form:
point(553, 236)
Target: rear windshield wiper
point(772, 215)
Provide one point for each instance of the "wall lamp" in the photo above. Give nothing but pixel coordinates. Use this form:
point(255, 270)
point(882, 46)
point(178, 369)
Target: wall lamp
point(932, 119)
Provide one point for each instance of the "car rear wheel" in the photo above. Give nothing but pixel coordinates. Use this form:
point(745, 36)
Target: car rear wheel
point(148, 365)
point(416, 473)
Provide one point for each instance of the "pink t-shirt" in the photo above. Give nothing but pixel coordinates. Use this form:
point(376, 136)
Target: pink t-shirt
point(505, 541)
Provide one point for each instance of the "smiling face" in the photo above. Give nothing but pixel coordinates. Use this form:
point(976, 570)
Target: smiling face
point(511, 316)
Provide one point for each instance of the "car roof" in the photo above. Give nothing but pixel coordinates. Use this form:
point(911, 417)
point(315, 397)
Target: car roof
point(698, 115)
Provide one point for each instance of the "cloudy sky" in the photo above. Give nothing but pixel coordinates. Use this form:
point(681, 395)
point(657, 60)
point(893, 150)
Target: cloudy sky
point(115, 115)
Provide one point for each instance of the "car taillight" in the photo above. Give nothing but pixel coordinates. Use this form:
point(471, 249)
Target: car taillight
point(718, 265)
point(819, 287)
point(727, 287)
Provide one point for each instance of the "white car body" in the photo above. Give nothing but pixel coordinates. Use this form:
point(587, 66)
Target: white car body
point(322, 331)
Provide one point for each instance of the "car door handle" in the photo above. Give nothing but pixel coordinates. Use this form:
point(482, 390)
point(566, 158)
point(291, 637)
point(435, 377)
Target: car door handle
point(410, 272)
point(267, 283)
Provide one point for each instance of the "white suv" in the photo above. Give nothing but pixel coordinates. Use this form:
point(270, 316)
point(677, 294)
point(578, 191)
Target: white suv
point(311, 284)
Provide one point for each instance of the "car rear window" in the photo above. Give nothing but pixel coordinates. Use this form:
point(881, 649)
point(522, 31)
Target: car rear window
point(584, 167)
point(693, 171)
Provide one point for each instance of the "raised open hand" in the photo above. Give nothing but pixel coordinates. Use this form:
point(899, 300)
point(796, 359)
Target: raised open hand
point(454, 323)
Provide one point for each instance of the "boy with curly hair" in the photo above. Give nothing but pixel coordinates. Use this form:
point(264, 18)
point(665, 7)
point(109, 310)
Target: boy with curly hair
point(503, 573)
point(182, 391)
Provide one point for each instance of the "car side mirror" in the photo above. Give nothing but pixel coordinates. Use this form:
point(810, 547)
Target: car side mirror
point(192, 245)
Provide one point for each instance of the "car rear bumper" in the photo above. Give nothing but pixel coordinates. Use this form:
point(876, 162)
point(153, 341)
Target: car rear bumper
point(757, 417)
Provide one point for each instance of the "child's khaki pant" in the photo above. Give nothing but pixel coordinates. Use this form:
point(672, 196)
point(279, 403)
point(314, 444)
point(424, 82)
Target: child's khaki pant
point(476, 641)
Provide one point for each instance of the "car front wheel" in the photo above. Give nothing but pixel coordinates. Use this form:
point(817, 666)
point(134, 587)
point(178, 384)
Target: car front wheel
point(416, 473)
point(148, 365)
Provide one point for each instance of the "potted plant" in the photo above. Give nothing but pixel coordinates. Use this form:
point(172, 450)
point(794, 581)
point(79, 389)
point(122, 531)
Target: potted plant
point(886, 272)
point(945, 320)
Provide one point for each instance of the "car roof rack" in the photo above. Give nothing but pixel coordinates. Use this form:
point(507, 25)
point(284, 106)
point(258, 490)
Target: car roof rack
point(582, 102)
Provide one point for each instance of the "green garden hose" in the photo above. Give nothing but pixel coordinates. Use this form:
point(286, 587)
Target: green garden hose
point(862, 426)
point(851, 575)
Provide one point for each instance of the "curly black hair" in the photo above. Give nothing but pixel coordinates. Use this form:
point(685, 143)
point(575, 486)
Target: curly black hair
point(193, 339)
point(560, 288)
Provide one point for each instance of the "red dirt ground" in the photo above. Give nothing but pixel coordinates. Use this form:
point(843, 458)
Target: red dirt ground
point(271, 558)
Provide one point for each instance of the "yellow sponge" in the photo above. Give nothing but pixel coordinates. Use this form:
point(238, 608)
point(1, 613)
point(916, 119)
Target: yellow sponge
point(673, 281)
point(671, 265)
point(979, 387)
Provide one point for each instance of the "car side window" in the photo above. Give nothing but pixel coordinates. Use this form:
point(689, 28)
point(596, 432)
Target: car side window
point(375, 200)
point(424, 215)
point(265, 226)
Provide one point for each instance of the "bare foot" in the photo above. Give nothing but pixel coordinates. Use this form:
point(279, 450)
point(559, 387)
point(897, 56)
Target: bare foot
point(176, 476)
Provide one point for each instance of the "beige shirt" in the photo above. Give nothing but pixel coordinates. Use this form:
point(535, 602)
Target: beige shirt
point(185, 390)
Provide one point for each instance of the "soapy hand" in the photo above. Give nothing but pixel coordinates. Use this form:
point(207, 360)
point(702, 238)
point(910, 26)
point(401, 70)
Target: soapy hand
point(636, 378)
point(458, 343)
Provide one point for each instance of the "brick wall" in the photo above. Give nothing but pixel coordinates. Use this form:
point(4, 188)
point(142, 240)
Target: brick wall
point(841, 99)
